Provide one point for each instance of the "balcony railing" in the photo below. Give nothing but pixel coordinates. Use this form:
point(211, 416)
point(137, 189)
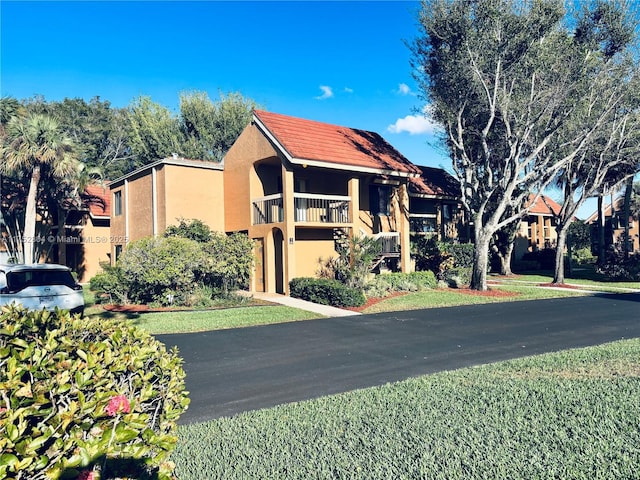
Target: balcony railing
point(268, 209)
point(308, 208)
point(315, 208)
point(390, 243)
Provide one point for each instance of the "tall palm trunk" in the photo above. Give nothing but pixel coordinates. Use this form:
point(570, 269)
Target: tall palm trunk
point(29, 237)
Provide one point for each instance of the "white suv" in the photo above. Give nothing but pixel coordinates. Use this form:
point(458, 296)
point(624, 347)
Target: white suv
point(40, 286)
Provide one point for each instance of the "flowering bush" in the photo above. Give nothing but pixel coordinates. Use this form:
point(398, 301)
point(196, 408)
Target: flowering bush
point(85, 398)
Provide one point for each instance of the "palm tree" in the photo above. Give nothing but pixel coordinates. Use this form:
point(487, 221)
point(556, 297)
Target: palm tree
point(33, 146)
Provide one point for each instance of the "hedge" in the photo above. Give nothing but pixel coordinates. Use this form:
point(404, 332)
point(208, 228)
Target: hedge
point(326, 292)
point(82, 396)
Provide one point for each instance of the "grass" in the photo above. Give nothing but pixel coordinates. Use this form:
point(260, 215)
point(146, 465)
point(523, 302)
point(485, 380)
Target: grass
point(452, 297)
point(522, 287)
point(198, 321)
point(572, 414)
point(202, 320)
point(587, 279)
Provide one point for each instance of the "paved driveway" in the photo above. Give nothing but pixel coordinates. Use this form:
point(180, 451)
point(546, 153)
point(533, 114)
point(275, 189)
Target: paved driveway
point(230, 371)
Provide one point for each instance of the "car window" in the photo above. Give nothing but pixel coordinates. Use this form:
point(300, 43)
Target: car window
point(16, 281)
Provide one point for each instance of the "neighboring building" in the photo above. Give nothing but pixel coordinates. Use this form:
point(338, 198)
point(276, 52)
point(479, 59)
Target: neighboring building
point(434, 206)
point(614, 226)
point(297, 186)
point(538, 228)
point(85, 241)
point(90, 227)
point(148, 200)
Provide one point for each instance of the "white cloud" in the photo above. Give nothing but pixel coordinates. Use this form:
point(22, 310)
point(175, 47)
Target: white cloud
point(327, 92)
point(348, 90)
point(403, 89)
point(414, 125)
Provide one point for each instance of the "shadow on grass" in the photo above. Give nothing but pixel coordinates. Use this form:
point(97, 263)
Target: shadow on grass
point(112, 468)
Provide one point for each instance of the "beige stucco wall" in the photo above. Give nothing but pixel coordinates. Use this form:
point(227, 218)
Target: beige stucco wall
point(241, 181)
point(96, 247)
point(191, 193)
point(117, 231)
point(312, 246)
point(138, 206)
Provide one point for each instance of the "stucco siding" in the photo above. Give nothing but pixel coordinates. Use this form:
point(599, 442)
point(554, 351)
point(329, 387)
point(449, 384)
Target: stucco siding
point(193, 193)
point(241, 181)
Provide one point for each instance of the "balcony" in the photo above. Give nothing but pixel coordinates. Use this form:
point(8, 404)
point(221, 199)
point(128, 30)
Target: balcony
point(390, 242)
point(309, 208)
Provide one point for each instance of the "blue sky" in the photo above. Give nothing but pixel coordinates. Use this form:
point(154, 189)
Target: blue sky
point(339, 62)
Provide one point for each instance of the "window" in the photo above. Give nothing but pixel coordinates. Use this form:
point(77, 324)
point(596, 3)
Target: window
point(117, 203)
point(379, 199)
point(446, 212)
point(117, 251)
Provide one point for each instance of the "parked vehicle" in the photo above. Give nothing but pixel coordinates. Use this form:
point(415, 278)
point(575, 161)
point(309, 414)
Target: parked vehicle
point(40, 286)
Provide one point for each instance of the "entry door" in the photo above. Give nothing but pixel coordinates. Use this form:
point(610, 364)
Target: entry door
point(258, 254)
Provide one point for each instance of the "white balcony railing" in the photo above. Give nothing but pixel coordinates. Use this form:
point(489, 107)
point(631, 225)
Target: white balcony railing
point(390, 243)
point(268, 209)
point(308, 208)
point(315, 208)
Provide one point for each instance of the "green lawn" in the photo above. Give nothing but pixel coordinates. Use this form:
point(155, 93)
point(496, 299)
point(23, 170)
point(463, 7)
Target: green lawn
point(522, 287)
point(179, 322)
point(569, 415)
point(452, 297)
point(586, 278)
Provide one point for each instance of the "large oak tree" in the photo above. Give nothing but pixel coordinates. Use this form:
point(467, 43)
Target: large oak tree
point(503, 77)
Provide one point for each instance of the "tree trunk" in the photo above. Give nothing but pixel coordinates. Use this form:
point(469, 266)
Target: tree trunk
point(627, 214)
point(601, 236)
point(29, 237)
point(480, 261)
point(505, 260)
point(558, 276)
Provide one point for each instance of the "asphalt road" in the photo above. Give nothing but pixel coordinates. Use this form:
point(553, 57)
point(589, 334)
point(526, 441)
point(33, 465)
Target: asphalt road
point(231, 371)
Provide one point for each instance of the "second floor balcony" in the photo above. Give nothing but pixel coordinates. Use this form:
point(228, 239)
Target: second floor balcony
point(309, 208)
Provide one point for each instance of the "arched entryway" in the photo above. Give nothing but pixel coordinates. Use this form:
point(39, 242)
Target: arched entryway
point(278, 250)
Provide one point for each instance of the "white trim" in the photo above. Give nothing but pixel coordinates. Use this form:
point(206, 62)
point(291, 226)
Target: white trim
point(321, 197)
point(183, 162)
point(268, 197)
point(434, 196)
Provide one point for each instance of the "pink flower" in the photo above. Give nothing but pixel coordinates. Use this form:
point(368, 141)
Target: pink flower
point(88, 475)
point(118, 404)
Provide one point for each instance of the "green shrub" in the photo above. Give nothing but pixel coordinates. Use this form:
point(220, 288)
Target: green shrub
point(161, 270)
point(546, 258)
point(617, 268)
point(80, 395)
point(175, 270)
point(229, 261)
point(583, 256)
point(458, 277)
point(439, 257)
point(525, 265)
point(383, 285)
point(109, 285)
point(193, 229)
point(354, 263)
point(326, 292)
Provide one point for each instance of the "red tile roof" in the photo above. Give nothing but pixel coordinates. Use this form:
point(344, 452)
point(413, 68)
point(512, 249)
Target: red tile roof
point(435, 181)
point(97, 199)
point(544, 206)
point(322, 142)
